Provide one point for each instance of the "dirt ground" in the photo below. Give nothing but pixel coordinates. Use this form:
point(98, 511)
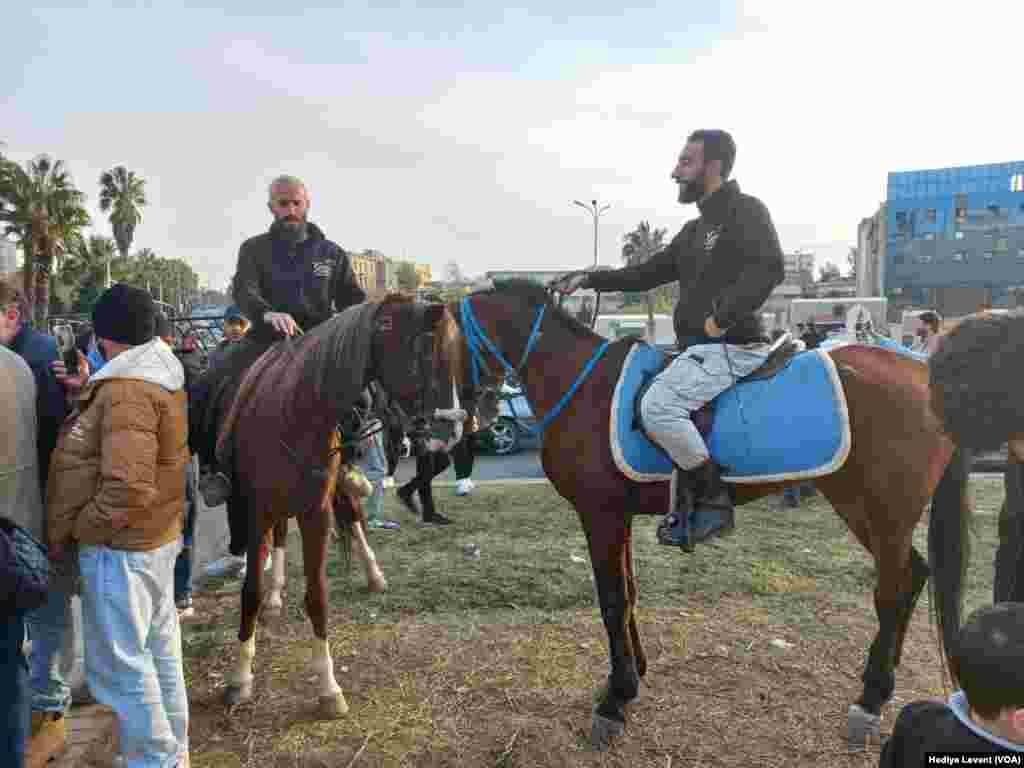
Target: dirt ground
point(716, 693)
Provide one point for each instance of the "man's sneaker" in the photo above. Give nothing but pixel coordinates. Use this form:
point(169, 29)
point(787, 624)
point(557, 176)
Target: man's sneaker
point(464, 487)
point(185, 608)
point(436, 519)
point(215, 488)
point(387, 525)
point(229, 565)
point(404, 495)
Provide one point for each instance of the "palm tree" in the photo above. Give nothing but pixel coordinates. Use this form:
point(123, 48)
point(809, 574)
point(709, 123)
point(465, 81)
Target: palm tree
point(640, 246)
point(42, 209)
point(124, 195)
point(145, 269)
point(85, 270)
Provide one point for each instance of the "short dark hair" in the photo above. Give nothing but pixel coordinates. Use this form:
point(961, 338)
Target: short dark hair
point(718, 145)
point(988, 662)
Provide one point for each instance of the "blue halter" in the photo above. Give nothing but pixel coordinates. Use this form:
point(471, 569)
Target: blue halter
point(477, 340)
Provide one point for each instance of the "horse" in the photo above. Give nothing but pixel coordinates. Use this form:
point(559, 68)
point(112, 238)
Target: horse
point(282, 428)
point(898, 459)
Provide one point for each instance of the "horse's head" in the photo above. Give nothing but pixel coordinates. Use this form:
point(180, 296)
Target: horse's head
point(417, 359)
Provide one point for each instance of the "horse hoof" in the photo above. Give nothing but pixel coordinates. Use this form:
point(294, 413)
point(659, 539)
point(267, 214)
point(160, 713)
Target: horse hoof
point(333, 707)
point(861, 727)
point(236, 694)
point(603, 730)
point(602, 693)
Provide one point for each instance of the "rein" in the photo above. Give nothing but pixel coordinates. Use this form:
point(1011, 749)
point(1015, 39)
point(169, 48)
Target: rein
point(476, 338)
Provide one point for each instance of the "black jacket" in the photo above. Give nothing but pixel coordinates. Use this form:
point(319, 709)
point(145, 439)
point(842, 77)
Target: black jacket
point(727, 262)
point(39, 351)
point(931, 726)
point(310, 283)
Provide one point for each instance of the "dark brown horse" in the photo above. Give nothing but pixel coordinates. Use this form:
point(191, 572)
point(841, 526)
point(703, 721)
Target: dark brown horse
point(897, 459)
point(282, 423)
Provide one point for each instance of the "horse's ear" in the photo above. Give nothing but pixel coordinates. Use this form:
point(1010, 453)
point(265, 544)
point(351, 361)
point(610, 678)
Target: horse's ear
point(432, 315)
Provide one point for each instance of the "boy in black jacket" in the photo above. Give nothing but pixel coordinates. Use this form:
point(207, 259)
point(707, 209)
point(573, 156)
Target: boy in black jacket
point(987, 715)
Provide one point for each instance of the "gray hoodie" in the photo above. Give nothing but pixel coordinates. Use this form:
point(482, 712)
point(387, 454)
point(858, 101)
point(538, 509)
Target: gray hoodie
point(20, 499)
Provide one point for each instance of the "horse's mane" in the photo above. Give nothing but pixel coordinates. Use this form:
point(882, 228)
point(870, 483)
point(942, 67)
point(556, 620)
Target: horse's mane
point(535, 295)
point(975, 379)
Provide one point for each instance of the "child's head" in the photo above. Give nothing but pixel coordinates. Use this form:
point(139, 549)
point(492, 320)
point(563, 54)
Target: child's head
point(988, 663)
point(235, 324)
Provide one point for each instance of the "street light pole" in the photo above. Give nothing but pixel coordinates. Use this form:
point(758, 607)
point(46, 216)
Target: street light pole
point(594, 210)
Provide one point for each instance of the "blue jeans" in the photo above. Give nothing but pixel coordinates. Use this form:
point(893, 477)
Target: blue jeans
point(15, 694)
point(133, 656)
point(47, 626)
point(183, 565)
point(375, 466)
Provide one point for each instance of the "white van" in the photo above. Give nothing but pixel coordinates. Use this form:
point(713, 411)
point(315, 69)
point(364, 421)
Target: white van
point(614, 327)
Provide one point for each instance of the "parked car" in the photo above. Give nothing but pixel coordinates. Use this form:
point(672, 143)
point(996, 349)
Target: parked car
point(513, 426)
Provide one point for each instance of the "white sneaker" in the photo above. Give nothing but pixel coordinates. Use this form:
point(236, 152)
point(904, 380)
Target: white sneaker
point(464, 487)
point(226, 566)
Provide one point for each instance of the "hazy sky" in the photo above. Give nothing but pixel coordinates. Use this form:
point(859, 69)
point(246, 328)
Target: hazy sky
point(434, 132)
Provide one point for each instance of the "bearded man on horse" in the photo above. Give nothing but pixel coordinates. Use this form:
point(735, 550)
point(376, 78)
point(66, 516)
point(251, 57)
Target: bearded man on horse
point(727, 262)
point(288, 280)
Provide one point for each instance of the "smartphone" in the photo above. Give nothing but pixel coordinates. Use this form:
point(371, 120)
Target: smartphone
point(66, 348)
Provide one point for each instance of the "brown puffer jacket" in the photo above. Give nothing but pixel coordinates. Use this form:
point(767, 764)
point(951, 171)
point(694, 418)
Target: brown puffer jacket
point(117, 477)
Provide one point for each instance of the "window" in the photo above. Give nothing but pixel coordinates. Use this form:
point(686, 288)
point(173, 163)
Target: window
point(960, 256)
point(1002, 245)
point(958, 235)
point(932, 215)
point(925, 258)
point(1017, 182)
point(1020, 254)
point(987, 254)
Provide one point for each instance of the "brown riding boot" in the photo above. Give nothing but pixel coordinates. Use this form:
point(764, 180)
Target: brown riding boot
point(49, 735)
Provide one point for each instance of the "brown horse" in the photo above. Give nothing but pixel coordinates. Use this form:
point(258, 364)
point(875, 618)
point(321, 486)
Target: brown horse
point(897, 458)
point(282, 424)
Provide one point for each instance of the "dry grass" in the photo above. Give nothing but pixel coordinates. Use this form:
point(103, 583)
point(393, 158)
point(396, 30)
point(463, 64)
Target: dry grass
point(498, 666)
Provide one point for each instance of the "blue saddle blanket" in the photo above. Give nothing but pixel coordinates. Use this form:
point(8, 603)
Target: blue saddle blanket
point(792, 426)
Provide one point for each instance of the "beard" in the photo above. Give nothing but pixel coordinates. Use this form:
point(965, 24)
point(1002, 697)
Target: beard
point(290, 230)
point(693, 190)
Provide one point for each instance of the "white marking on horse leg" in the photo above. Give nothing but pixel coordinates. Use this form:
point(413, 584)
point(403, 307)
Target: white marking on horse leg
point(277, 580)
point(331, 700)
point(361, 548)
point(242, 675)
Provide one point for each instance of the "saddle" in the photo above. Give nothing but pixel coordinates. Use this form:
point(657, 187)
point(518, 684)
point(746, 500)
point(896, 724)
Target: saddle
point(785, 349)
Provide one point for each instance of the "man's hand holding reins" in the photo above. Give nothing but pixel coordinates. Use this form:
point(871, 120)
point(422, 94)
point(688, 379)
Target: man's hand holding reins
point(282, 322)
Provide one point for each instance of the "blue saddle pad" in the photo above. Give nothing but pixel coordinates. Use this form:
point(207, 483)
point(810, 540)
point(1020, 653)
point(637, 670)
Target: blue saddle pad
point(792, 426)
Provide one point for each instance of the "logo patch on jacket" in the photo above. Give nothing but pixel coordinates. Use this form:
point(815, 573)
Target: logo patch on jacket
point(711, 237)
point(322, 268)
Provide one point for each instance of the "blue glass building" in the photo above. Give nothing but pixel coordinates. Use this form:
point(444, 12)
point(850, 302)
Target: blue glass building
point(955, 238)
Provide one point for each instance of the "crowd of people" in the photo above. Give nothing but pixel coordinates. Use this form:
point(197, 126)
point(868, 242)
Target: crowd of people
point(100, 463)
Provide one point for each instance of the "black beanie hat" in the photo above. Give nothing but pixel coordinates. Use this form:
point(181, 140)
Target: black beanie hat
point(126, 315)
point(163, 325)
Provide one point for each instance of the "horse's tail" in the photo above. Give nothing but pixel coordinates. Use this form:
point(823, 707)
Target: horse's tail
point(949, 549)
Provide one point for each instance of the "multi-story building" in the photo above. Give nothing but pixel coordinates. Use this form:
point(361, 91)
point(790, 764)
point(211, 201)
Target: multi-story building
point(955, 238)
point(423, 273)
point(365, 265)
point(870, 258)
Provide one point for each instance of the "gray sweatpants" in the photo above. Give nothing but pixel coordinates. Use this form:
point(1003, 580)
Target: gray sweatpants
point(693, 379)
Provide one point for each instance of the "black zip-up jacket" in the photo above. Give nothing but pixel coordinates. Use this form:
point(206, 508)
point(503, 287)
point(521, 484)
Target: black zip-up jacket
point(727, 262)
point(310, 283)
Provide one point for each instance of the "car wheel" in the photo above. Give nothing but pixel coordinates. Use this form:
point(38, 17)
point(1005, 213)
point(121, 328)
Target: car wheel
point(504, 437)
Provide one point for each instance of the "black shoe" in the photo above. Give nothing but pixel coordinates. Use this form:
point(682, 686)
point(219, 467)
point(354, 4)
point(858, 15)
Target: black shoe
point(713, 513)
point(436, 519)
point(674, 530)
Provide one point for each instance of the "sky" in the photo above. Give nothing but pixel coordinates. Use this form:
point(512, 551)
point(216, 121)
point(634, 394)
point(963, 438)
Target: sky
point(438, 133)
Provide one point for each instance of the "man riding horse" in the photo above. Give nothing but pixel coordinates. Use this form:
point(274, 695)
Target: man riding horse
point(289, 280)
point(727, 262)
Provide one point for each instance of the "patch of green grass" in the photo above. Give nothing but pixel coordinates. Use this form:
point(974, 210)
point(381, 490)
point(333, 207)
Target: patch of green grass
point(530, 569)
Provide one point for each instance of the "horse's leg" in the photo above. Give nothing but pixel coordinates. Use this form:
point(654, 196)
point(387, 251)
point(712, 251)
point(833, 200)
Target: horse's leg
point(606, 538)
point(315, 525)
point(894, 603)
point(273, 606)
point(239, 683)
point(633, 596)
point(375, 580)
